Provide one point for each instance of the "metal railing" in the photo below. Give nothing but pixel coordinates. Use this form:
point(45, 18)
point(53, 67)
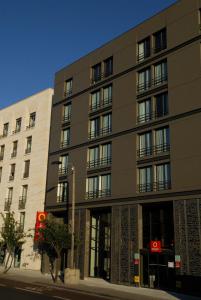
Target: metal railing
point(65, 143)
point(7, 204)
point(162, 46)
point(98, 194)
point(16, 130)
point(63, 171)
point(101, 132)
point(146, 85)
point(61, 199)
point(150, 116)
point(104, 103)
point(22, 202)
point(154, 186)
point(32, 125)
point(68, 93)
point(144, 55)
point(104, 161)
point(153, 150)
point(14, 154)
point(66, 118)
point(100, 76)
point(27, 150)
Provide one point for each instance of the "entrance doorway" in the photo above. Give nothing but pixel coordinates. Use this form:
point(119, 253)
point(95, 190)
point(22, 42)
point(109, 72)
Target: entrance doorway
point(100, 244)
point(158, 266)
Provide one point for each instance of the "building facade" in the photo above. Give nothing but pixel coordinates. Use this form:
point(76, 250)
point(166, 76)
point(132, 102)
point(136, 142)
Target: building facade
point(127, 116)
point(24, 144)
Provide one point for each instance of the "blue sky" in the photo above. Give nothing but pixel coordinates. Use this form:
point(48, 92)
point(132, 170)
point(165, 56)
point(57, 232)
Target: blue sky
point(39, 37)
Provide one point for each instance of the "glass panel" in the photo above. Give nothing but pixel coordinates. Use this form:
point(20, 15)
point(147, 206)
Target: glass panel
point(107, 95)
point(95, 100)
point(161, 105)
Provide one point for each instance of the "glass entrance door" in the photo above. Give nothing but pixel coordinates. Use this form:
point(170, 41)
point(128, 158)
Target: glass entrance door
point(100, 245)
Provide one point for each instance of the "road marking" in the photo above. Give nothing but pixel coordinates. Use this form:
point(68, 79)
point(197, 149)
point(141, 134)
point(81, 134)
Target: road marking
point(2, 285)
point(28, 290)
point(61, 298)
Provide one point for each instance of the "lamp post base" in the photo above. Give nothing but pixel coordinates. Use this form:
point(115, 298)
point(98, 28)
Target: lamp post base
point(71, 276)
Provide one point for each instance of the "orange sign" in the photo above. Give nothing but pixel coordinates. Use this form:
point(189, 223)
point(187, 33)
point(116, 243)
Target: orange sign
point(155, 246)
point(40, 218)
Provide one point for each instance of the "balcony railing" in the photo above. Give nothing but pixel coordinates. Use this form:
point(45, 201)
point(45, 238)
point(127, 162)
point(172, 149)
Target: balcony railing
point(14, 154)
point(104, 161)
point(11, 177)
point(32, 125)
point(146, 85)
point(26, 175)
point(144, 55)
point(27, 150)
point(22, 202)
point(66, 118)
point(63, 171)
point(154, 150)
point(100, 76)
point(7, 204)
point(16, 130)
point(104, 103)
point(65, 143)
point(155, 186)
point(150, 116)
point(68, 93)
point(98, 194)
point(101, 132)
point(162, 46)
point(61, 199)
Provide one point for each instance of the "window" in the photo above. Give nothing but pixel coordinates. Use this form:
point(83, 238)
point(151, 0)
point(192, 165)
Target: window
point(1, 173)
point(2, 150)
point(107, 95)
point(18, 125)
point(12, 172)
point(8, 200)
point(94, 128)
point(160, 40)
point(160, 73)
point(99, 155)
point(65, 137)
point(68, 87)
point(144, 111)
point(28, 145)
point(26, 168)
point(67, 112)
point(32, 120)
point(22, 221)
point(143, 49)
point(163, 179)
point(63, 166)
point(162, 140)
point(145, 144)
point(96, 73)
point(161, 105)
point(95, 100)
point(145, 179)
point(23, 197)
point(144, 80)
point(105, 185)
point(106, 124)
point(5, 129)
point(98, 186)
point(62, 192)
point(14, 151)
point(108, 66)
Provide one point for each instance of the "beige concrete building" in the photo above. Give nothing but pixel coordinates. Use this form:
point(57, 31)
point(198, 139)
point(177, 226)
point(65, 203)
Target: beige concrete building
point(24, 142)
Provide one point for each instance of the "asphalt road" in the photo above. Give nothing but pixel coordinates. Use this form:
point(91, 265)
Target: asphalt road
point(13, 290)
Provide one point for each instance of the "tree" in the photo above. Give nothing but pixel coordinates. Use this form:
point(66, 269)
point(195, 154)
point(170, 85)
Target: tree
point(52, 239)
point(12, 237)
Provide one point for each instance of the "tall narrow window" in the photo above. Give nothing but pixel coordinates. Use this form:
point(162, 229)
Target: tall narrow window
point(163, 179)
point(28, 145)
point(160, 73)
point(8, 200)
point(162, 140)
point(14, 151)
point(2, 150)
point(62, 192)
point(68, 87)
point(65, 137)
point(105, 185)
point(94, 128)
point(145, 144)
point(1, 173)
point(92, 187)
point(26, 168)
point(160, 40)
point(67, 112)
point(95, 100)
point(96, 73)
point(18, 125)
point(106, 153)
point(145, 179)
point(12, 172)
point(144, 80)
point(143, 49)
point(144, 111)
point(5, 129)
point(108, 66)
point(107, 95)
point(22, 220)
point(93, 157)
point(63, 166)
point(106, 124)
point(32, 120)
point(161, 104)
point(23, 197)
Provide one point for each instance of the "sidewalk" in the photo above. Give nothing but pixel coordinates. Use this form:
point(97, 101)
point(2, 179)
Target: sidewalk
point(94, 286)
